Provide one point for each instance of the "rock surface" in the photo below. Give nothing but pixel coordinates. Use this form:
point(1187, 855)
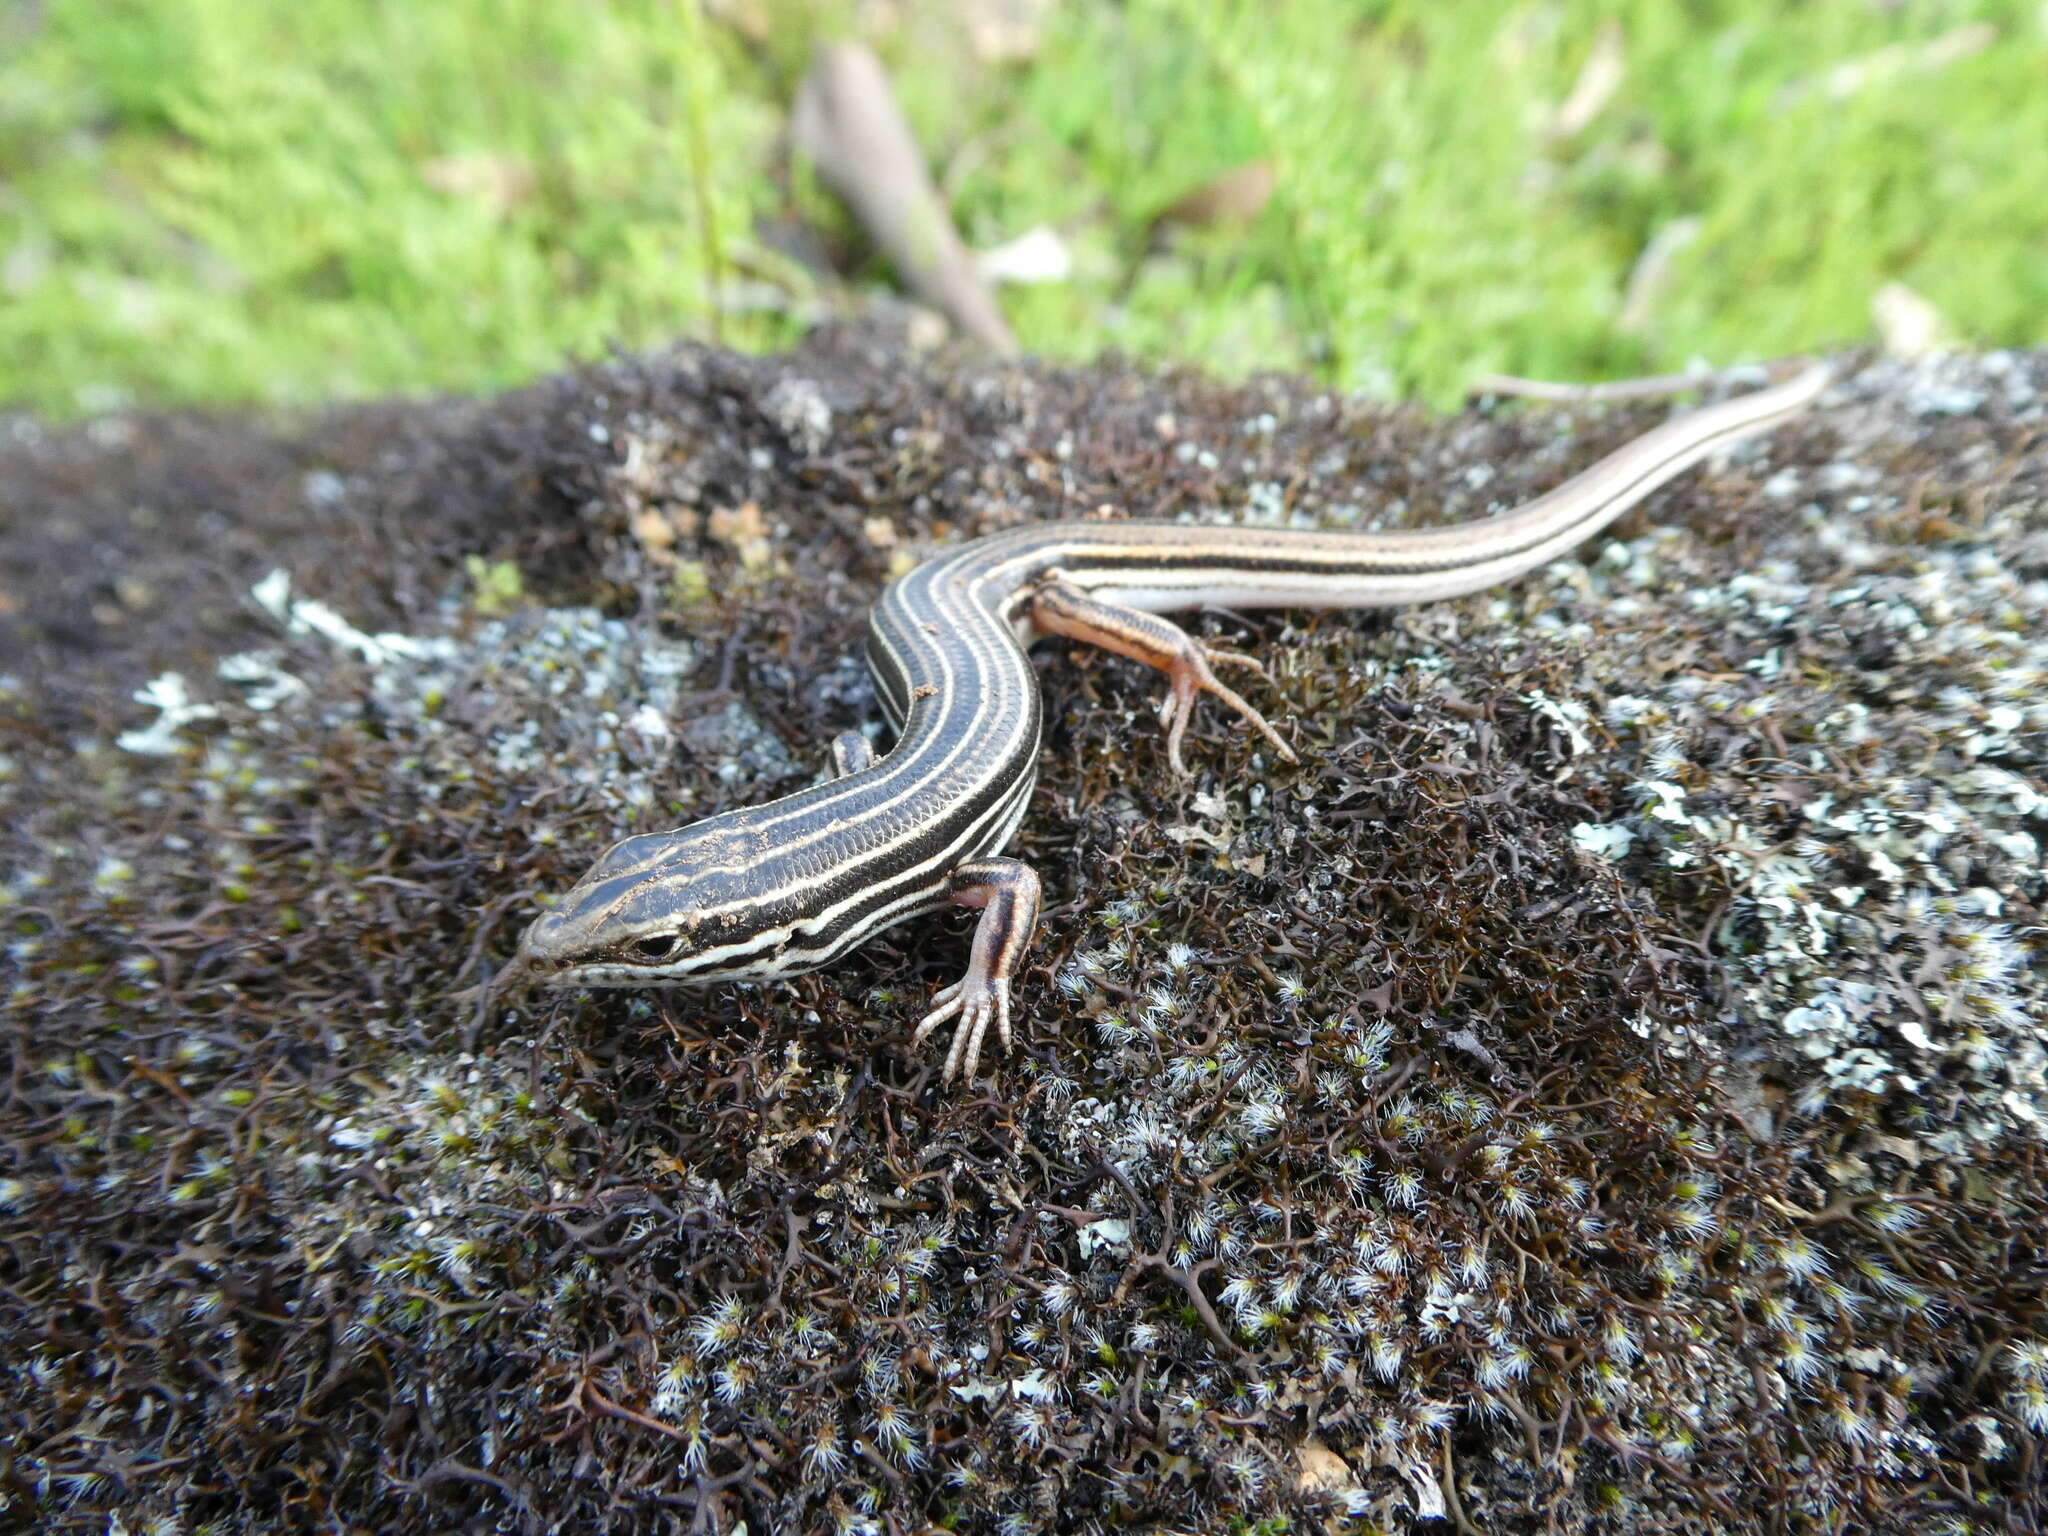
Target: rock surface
point(1600, 1088)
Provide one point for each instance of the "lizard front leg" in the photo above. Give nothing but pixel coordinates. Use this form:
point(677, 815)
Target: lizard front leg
point(1007, 892)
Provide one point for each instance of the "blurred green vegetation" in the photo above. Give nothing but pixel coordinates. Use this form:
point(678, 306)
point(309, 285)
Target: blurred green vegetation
point(225, 200)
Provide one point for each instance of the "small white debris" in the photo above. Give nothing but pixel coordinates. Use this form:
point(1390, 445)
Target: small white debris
point(168, 695)
point(799, 410)
point(1110, 1232)
point(1906, 323)
point(302, 616)
point(1608, 840)
point(322, 488)
point(274, 595)
point(647, 730)
point(263, 675)
point(1037, 1386)
point(1664, 801)
point(1037, 256)
point(1568, 715)
point(1429, 1494)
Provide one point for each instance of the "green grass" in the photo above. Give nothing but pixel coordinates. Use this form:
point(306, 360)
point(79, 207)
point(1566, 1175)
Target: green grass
point(228, 200)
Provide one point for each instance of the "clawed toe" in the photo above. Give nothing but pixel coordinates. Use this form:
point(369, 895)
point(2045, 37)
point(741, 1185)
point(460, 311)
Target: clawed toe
point(1217, 656)
point(1191, 674)
point(988, 1004)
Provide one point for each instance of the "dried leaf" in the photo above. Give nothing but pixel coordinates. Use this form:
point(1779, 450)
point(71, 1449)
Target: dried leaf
point(1646, 282)
point(1318, 1469)
point(1891, 63)
point(1237, 196)
point(1599, 78)
point(499, 182)
point(1003, 31)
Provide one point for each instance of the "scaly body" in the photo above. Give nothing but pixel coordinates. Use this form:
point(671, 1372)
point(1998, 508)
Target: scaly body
point(786, 887)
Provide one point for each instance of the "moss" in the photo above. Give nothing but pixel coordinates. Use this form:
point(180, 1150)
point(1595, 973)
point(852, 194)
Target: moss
point(1372, 1118)
point(499, 588)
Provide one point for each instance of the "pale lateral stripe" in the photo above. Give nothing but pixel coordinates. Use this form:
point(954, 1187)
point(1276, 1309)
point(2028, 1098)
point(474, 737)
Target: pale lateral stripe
point(894, 770)
point(927, 878)
point(909, 774)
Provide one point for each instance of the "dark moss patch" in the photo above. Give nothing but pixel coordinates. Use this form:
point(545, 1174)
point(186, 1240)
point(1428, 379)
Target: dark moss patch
point(1438, 1121)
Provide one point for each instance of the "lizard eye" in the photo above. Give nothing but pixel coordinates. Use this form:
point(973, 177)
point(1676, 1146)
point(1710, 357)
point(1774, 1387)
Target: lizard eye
point(659, 947)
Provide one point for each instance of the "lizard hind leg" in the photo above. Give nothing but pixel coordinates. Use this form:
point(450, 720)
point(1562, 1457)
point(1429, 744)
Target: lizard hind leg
point(1058, 608)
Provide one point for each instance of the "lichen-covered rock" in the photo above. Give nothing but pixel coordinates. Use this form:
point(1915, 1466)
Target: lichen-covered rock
point(1601, 1087)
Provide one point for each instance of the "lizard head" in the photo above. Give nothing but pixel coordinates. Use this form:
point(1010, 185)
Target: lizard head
point(661, 909)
